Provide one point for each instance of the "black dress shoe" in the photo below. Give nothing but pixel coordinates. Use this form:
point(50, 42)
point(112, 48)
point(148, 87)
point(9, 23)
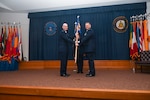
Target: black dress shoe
point(90, 75)
point(65, 75)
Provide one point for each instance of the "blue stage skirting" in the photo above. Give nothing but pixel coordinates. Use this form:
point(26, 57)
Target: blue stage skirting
point(6, 66)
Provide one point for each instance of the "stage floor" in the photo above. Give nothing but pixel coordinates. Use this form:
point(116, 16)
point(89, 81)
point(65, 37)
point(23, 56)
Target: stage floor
point(104, 79)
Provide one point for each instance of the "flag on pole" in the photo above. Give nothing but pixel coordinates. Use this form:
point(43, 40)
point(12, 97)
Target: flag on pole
point(77, 31)
point(15, 42)
point(20, 44)
point(133, 45)
point(142, 35)
point(8, 51)
point(138, 36)
point(3, 37)
point(1, 40)
point(77, 25)
point(146, 35)
point(148, 25)
point(131, 35)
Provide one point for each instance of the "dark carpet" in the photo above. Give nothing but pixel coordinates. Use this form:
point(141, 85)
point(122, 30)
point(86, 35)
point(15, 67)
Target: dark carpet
point(104, 79)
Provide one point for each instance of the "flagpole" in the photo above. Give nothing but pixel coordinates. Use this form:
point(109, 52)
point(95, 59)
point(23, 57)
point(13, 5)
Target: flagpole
point(76, 51)
point(21, 44)
point(77, 28)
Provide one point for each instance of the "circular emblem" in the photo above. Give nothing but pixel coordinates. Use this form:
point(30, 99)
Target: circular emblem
point(120, 24)
point(50, 28)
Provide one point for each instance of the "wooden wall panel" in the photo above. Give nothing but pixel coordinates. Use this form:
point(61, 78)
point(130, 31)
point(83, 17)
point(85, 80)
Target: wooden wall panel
point(125, 64)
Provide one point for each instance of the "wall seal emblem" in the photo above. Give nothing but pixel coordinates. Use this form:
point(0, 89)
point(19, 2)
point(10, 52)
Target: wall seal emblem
point(120, 24)
point(50, 28)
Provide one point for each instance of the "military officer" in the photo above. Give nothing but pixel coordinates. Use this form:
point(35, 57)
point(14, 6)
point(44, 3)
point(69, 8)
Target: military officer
point(64, 39)
point(88, 44)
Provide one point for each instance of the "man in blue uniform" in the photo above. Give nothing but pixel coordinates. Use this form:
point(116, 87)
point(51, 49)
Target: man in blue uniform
point(88, 44)
point(80, 56)
point(64, 39)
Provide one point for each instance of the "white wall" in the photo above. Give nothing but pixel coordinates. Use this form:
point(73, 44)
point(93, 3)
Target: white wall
point(23, 19)
point(148, 7)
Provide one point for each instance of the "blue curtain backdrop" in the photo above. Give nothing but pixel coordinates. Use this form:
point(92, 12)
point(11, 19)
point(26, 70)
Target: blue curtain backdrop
point(109, 44)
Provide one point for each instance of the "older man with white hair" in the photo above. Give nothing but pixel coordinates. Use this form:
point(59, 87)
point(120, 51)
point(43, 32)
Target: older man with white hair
point(64, 39)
